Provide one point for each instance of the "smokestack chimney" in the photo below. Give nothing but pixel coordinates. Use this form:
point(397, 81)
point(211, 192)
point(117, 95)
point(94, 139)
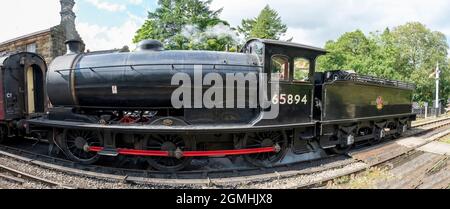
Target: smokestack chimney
point(73, 46)
point(150, 45)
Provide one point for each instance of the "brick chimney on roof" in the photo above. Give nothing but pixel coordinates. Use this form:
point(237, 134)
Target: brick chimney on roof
point(68, 20)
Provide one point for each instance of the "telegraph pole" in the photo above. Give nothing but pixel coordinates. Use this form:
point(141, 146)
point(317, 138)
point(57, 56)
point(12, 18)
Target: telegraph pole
point(438, 72)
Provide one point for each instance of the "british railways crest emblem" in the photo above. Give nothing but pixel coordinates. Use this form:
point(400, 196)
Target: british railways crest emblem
point(380, 103)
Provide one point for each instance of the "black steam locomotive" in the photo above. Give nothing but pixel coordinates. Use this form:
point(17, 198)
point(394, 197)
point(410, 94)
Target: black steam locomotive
point(122, 103)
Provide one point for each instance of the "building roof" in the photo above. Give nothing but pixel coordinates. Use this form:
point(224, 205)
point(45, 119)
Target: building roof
point(290, 44)
point(25, 36)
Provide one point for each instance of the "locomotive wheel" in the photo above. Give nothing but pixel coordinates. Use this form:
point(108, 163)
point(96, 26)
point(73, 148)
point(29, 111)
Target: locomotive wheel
point(75, 143)
point(401, 129)
point(343, 148)
point(379, 135)
point(171, 143)
point(265, 139)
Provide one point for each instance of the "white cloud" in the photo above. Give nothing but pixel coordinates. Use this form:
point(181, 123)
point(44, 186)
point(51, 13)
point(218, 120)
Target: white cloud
point(108, 6)
point(136, 2)
point(136, 18)
point(315, 22)
point(309, 22)
point(20, 17)
point(99, 37)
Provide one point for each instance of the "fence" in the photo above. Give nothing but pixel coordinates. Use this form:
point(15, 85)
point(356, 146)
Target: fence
point(423, 112)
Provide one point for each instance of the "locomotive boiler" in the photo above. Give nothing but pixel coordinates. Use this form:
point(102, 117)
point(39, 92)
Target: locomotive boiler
point(140, 80)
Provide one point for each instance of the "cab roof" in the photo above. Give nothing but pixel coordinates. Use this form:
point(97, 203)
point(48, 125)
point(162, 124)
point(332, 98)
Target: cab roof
point(288, 44)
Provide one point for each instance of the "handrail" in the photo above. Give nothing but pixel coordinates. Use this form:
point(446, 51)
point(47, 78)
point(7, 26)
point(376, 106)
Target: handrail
point(132, 67)
point(372, 79)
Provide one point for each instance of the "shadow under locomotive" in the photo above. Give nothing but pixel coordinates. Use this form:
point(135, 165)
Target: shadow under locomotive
point(119, 104)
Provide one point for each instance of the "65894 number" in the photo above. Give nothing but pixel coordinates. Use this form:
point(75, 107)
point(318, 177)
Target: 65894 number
point(289, 99)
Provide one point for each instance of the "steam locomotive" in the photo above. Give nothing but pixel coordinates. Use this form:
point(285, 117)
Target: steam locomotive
point(122, 103)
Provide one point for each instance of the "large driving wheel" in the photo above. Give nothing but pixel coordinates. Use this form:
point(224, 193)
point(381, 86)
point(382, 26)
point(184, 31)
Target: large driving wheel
point(173, 144)
point(276, 139)
point(75, 144)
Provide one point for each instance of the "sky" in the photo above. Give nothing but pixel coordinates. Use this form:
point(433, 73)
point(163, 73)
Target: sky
point(107, 24)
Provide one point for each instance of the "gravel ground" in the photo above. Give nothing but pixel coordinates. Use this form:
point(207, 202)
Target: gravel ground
point(68, 179)
point(420, 170)
point(439, 180)
point(8, 185)
point(4, 184)
point(412, 173)
point(292, 182)
point(92, 183)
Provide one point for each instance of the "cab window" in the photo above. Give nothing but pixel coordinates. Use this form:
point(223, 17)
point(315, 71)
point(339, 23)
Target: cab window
point(301, 69)
point(280, 67)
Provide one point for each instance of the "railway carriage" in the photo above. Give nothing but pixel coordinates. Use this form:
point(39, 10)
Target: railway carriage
point(122, 103)
point(22, 92)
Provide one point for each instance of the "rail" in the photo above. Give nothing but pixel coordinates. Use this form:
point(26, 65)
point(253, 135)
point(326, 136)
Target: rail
point(31, 177)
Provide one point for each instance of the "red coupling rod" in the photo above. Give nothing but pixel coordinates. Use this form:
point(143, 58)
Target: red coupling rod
point(215, 153)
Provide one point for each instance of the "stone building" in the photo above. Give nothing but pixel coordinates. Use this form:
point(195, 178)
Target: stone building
point(48, 43)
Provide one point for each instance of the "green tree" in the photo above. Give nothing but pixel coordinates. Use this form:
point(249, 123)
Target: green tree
point(171, 21)
point(419, 51)
point(267, 25)
point(408, 52)
point(355, 51)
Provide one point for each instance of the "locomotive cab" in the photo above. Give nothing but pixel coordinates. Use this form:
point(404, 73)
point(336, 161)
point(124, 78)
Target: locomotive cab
point(294, 67)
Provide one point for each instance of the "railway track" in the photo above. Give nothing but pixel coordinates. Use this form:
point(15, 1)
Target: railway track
point(214, 177)
point(427, 122)
point(384, 154)
point(19, 177)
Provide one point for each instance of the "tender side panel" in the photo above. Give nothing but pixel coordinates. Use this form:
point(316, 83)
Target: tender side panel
point(351, 100)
